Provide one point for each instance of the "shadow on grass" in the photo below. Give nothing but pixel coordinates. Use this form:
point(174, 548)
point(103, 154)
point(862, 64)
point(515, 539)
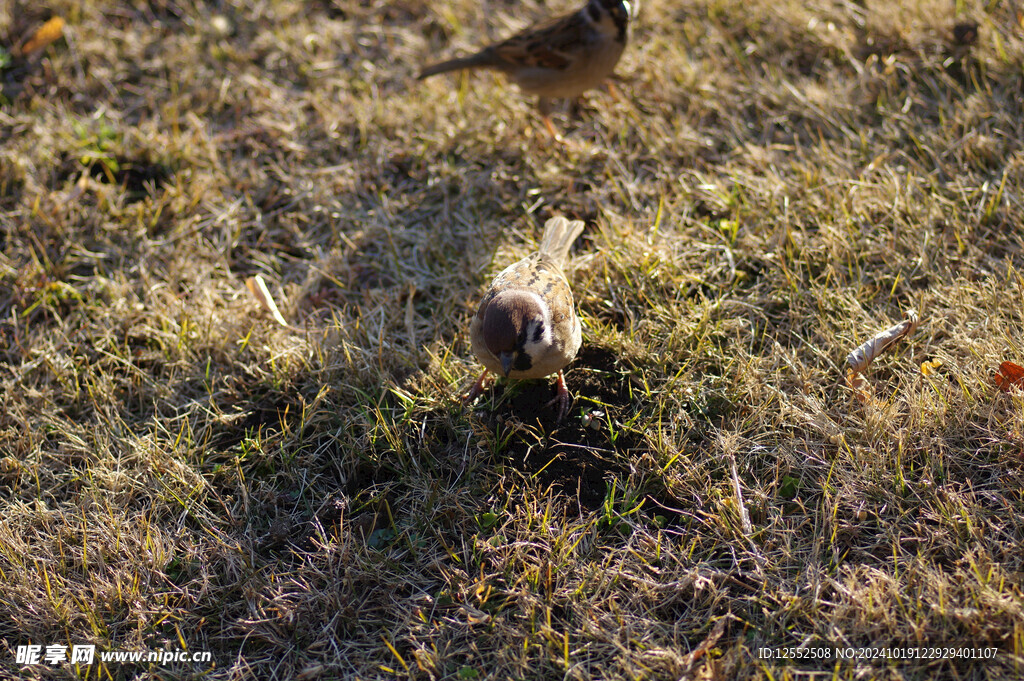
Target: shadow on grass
point(577, 456)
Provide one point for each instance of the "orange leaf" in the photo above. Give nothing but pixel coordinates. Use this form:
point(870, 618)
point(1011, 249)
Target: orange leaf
point(861, 388)
point(1009, 375)
point(49, 32)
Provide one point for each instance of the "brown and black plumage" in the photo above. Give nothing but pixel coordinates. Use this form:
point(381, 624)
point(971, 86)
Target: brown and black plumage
point(560, 58)
point(526, 325)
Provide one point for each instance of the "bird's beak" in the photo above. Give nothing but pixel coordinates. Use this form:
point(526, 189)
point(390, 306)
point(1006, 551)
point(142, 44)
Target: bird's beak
point(506, 359)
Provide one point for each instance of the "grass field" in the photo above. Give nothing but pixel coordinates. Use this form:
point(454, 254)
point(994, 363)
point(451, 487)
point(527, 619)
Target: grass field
point(775, 182)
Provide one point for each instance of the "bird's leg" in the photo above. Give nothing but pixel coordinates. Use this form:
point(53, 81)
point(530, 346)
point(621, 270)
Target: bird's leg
point(613, 91)
point(476, 390)
point(562, 397)
point(544, 107)
point(576, 108)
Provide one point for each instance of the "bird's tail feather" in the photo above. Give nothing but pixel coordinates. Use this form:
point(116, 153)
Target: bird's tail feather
point(471, 62)
point(559, 234)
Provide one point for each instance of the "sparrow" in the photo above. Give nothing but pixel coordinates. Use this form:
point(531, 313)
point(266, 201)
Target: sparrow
point(526, 326)
point(560, 58)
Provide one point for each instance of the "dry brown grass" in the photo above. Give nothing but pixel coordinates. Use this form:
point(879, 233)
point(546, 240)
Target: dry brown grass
point(778, 181)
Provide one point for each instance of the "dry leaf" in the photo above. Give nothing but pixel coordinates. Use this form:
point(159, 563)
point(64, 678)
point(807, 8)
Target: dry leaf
point(1009, 375)
point(930, 367)
point(49, 32)
point(258, 288)
point(705, 645)
point(861, 388)
point(861, 358)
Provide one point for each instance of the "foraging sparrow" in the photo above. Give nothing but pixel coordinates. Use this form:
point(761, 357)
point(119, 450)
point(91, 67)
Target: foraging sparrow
point(526, 326)
point(562, 57)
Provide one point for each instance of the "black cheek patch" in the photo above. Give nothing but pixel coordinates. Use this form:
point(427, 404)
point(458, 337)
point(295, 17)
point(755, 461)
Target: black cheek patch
point(523, 362)
point(538, 334)
point(595, 13)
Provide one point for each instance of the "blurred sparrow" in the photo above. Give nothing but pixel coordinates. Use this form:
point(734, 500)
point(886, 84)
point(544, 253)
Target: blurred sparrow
point(562, 57)
point(526, 326)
